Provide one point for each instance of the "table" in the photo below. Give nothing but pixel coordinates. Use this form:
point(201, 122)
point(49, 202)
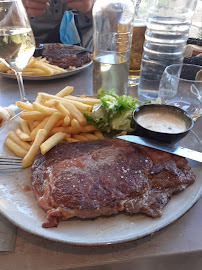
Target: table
point(176, 246)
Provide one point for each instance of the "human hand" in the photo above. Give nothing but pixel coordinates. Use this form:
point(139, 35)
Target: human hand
point(84, 6)
point(35, 7)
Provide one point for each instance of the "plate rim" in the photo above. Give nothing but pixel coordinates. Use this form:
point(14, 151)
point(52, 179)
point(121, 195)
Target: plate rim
point(97, 244)
point(48, 77)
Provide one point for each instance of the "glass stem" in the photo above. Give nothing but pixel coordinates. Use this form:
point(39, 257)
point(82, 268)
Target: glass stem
point(21, 86)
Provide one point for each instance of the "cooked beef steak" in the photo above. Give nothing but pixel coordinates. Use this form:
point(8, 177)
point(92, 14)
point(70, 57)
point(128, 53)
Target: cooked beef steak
point(64, 57)
point(88, 179)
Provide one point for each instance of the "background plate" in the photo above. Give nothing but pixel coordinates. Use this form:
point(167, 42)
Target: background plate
point(17, 203)
point(48, 77)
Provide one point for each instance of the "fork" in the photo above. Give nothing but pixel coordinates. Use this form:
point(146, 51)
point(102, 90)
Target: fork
point(10, 163)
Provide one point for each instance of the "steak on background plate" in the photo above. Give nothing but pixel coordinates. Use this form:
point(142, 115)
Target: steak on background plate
point(88, 179)
point(65, 56)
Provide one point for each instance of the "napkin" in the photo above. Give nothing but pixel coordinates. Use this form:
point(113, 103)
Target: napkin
point(7, 235)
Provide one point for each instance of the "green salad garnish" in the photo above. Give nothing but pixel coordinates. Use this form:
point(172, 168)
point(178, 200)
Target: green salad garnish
point(114, 113)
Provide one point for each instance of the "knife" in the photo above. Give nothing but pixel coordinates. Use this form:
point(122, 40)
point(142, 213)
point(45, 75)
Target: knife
point(173, 149)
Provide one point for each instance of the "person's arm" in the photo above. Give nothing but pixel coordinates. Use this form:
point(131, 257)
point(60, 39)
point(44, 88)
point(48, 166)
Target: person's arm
point(35, 7)
point(84, 6)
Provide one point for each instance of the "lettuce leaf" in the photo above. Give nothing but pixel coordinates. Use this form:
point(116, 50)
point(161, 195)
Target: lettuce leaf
point(114, 113)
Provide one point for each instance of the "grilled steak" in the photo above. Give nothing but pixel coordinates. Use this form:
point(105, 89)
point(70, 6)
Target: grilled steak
point(88, 179)
point(64, 57)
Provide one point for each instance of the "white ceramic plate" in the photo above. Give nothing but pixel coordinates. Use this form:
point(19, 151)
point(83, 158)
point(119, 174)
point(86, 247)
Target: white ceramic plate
point(48, 77)
point(17, 203)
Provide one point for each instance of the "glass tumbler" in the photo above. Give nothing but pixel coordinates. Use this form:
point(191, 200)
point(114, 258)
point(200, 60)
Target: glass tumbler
point(181, 86)
point(139, 28)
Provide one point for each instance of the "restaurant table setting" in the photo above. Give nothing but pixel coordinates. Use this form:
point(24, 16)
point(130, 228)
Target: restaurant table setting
point(181, 236)
point(120, 240)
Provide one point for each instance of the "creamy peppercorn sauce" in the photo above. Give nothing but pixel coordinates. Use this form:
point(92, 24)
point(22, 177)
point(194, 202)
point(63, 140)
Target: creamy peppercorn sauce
point(162, 122)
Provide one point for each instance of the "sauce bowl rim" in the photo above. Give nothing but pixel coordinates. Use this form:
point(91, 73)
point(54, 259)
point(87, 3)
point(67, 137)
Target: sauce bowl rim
point(183, 112)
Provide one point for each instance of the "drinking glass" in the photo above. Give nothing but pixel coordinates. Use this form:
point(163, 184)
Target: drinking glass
point(112, 27)
point(139, 28)
point(181, 86)
point(168, 25)
point(17, 42)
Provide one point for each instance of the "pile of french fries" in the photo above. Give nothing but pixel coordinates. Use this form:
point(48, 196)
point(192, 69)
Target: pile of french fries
point(49, 120)
point(37, 66)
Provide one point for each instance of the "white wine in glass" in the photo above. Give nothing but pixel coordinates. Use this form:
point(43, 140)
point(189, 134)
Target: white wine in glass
point(17, 43)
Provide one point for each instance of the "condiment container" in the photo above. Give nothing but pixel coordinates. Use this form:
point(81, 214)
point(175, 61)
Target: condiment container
point(161, 122)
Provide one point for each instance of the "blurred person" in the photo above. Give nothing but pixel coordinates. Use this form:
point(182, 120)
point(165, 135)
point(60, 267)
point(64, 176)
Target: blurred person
point(76, 17)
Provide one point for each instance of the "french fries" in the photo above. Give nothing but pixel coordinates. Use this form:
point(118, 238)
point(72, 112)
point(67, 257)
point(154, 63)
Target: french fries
point(24, 106)
point(38, 99)
point(15, 148)
point(67, 120)
point(75, 124)
point(64, 92)
point(89, 136)
point(36, 67)
point(30, 156)
point(34, 115)
point(23, 136)
point(25, 127)
point(43, 109)
point(40, 126)
point(81, 106)
point(99, 134)
point(49, 120)
point(52, 121)
point(85, 100)
point(52, 141)
point(62, 109)
point(13, 136)
point(80, 137)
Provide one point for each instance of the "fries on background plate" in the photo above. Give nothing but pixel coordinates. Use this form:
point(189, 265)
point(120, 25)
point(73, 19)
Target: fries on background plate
point(49, 120)
point(37, 66)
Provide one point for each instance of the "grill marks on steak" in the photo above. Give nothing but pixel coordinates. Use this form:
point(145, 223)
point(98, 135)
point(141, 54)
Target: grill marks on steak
point(94, 178)
point(64, 57)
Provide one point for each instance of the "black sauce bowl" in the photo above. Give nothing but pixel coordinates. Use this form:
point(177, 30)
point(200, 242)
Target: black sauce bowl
point(171, 138)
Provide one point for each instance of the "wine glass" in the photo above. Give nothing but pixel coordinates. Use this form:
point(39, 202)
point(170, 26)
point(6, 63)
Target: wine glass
point(17, 43)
